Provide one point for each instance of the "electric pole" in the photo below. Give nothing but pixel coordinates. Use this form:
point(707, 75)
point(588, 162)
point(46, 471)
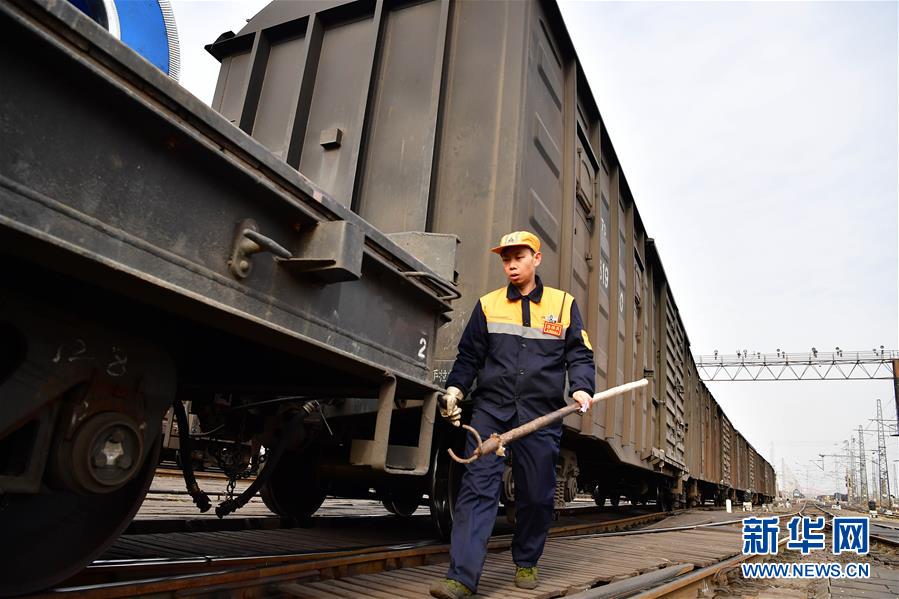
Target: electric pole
point(853, 474)
point(862, 470)
point(875, 476)
point(882, 465)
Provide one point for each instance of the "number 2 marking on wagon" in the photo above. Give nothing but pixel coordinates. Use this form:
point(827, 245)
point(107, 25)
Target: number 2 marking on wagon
point(77, 354)
point(421, 350)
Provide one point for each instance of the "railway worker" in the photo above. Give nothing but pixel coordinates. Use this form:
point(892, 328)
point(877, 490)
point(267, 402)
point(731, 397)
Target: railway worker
point(520, 342)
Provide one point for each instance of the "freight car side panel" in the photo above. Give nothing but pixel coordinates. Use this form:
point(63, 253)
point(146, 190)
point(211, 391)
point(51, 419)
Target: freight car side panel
point(727, 450)
point(229, 94)
point(606, 416)
point(742, 462)
point(477, 187)
point(674, 383)
point(541, 192)
point(280, 92)
point(753, 459)
point(653, 402)
point(752, 472)
point(648, 361)
point(635, 364)
point(604, 310)
point(622, 297)
point(582, 284)
point(396, 181)
point(695, 422)
point(341, 86)
point(617, 339)
point(711, 452)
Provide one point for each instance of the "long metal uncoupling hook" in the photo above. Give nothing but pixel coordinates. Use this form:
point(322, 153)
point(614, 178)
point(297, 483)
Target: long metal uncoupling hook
point(497, 443)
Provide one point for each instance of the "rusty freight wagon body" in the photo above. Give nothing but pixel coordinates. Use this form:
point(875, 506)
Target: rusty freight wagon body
point(473, 119)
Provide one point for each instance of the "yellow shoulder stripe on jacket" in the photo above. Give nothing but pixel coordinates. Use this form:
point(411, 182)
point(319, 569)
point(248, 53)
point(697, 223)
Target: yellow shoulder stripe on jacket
point(498, 308)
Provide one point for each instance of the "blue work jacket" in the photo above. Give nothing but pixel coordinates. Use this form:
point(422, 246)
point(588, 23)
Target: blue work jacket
point(520, 348)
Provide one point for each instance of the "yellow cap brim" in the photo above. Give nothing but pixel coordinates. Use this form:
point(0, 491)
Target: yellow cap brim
point(499, 249)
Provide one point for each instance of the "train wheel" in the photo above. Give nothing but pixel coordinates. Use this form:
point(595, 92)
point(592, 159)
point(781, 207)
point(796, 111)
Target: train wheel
point(599, 498)
point(446, 478)
point(48, 537)
point(402, 504)
point(294, 489)
point(614, 499)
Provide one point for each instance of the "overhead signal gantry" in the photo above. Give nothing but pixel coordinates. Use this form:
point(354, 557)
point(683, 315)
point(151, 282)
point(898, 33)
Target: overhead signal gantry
point(838, 365)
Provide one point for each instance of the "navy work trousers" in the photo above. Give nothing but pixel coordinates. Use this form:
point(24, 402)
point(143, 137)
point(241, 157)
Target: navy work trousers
point(534, 471)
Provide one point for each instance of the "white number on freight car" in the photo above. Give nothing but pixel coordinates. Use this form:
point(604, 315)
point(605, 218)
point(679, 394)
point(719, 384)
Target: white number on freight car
point(421, 350)
point(119, 364)
point(77, 353)
point(604, 274)
point(77, 350)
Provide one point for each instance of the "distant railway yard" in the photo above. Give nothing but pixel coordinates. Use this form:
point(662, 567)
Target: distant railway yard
point(357, 549)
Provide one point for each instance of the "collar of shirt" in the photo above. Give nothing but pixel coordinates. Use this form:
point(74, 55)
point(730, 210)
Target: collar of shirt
point(513, 294)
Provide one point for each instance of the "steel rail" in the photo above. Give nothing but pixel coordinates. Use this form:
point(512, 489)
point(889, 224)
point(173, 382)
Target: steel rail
point(208, 523)
point(872, 532)
point(695, 580)
point(207, 575)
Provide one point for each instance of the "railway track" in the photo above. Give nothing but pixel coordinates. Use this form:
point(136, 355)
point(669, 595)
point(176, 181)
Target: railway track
point(884, 531)
point(673, 550)
point(204, 574)
point(592, 553)
point(882, 581)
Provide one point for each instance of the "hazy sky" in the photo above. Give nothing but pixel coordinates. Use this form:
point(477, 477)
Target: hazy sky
point(760, 141)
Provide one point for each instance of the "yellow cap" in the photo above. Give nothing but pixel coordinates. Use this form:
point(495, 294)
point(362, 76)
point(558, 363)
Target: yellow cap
point(515, 239)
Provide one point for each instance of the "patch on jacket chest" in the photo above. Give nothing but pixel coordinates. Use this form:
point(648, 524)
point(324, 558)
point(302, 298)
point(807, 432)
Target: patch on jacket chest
point(552, 328)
